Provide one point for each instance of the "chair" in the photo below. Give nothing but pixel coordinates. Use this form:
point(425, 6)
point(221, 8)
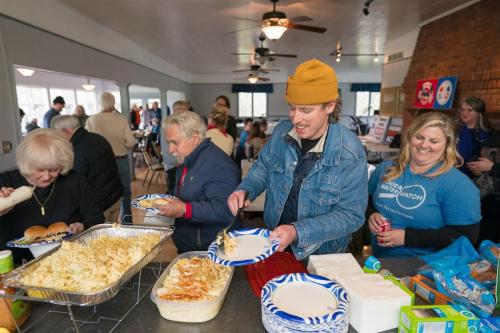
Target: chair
point(154, 166)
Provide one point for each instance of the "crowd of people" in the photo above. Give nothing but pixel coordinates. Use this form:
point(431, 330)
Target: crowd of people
point(444, 184)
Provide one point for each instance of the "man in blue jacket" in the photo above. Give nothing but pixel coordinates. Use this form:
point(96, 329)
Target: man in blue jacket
point(313, 168)
point(205, 178)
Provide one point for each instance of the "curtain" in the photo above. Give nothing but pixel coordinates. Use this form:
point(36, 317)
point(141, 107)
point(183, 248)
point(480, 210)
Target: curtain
point(372, 87)
point(258, 88)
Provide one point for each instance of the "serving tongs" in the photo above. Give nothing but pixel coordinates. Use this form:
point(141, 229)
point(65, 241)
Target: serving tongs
point(219, 239)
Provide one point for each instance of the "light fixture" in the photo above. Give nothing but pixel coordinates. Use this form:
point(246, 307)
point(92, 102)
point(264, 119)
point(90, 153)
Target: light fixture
point(337, 59)
point(87, 86)
point(376, 58)
point(252, 79)
point(273, 30)
point(25, 71)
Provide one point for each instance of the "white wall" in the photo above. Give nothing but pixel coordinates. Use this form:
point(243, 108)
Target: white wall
point(394, 73)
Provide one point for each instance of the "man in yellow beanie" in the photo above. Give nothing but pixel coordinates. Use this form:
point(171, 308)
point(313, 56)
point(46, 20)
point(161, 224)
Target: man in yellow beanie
point(313, 168)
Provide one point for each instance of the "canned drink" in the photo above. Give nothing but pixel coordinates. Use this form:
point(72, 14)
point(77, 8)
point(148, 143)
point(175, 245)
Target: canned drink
point(386, 226)
point(372, 265)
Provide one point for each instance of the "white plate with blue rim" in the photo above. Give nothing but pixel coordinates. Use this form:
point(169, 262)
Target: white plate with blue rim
point(304, 302)
point(147, 202)
point(24, 244)
point(252, 245)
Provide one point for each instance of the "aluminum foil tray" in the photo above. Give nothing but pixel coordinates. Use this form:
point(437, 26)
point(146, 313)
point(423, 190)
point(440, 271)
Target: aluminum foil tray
point(55, 296)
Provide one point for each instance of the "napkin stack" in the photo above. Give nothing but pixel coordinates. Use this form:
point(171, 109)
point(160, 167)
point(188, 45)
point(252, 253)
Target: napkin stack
point(333, 265)
point(375, 302)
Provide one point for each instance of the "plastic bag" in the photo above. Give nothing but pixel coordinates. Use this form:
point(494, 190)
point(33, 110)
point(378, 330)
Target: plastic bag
point(466, 290)
point(490, 251)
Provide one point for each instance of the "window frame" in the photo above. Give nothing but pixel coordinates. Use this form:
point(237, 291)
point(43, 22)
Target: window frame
point(253, 115)
point(371, 110)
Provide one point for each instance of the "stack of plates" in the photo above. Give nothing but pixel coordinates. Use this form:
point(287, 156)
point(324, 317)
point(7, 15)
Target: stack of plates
point(302, 302)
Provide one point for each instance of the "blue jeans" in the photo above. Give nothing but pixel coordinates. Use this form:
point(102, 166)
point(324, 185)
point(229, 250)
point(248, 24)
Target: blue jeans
point(124, 170)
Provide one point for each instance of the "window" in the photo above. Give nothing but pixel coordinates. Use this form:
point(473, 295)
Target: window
point(69, 99)
point(367, 102)
point(88, 100)
point(252, 105)
point(136, 101)
point(152, 100)
point(34, 101)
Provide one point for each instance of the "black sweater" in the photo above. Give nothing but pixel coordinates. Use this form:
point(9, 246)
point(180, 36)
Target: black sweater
point(94, 159)
point(72, 201)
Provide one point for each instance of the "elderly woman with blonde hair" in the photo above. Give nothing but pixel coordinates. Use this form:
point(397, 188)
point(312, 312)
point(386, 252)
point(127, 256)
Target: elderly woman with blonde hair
point(426, 200)
point(45, 160)
point(217, 121)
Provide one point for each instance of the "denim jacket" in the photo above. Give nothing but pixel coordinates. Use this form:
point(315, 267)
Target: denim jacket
point(332, 198)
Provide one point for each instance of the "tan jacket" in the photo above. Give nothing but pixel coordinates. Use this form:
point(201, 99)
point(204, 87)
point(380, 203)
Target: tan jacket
point(115, 128)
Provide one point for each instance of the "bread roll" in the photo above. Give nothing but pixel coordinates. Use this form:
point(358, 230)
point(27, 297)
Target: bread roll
point(57, 228)
point(20, 194)
point(35, 232)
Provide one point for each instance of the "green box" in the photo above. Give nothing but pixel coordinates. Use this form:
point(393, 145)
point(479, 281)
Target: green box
point(437, 318)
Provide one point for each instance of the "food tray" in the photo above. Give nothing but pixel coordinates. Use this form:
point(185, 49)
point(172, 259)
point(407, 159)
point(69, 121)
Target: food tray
point(189, 312)
point(56, 296)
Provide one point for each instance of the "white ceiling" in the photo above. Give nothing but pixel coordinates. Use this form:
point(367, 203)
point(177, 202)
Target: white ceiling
point(192, 35)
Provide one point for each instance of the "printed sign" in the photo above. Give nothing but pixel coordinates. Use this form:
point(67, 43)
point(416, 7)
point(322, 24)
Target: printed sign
point(445, 92)
point(426, 92)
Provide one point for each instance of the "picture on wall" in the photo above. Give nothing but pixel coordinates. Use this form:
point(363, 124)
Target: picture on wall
point(426, 92)
point(445, 92)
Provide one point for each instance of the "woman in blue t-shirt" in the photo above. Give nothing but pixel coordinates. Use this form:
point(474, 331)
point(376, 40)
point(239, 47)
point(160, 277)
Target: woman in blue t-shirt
point(427, 200)
point(473, 129)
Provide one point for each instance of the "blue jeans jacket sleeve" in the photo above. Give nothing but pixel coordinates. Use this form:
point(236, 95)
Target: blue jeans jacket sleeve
point(345, 218)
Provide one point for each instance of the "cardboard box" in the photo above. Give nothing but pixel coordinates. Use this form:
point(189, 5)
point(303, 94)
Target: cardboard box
point(426, 289)
point(437, 318)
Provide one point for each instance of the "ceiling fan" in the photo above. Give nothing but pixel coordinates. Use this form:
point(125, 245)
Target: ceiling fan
point(263, 54)
point(274, 24)
point(256, 69)
point(338, 53)
point(253, 78)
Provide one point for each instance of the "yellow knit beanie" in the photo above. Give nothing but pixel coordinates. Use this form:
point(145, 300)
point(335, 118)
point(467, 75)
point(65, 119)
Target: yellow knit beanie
point(313, 82)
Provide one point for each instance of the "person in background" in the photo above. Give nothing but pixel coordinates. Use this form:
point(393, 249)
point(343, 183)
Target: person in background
point(94, 159)
point(256, 140)
point(217, 129)
point(80, 115)
point(21, 114)
point(32, 125)
point(45, 160)
point(155, 112)
point(263, 127)
point(180, 106)
point(487, 171)
point(240, 148)
point(428, 201)
point(135, 117)
point(116, 129)
point(231, 127)
point(473, 128)
point(57, 106)
point(147, 116)
point(205, 178)
point(313, 168)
